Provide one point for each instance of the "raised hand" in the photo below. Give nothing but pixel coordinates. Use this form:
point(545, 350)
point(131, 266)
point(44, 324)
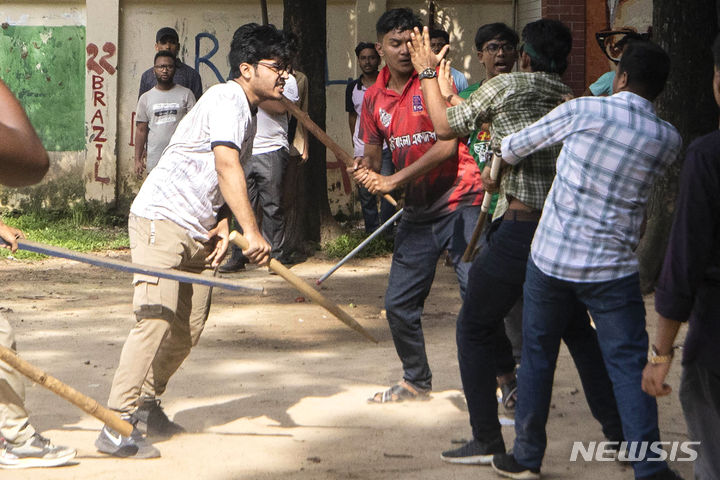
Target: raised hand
point(421, 55)
point(445, 80)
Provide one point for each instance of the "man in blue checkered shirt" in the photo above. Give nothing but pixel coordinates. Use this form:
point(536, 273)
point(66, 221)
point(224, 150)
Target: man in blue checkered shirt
point(582, 255)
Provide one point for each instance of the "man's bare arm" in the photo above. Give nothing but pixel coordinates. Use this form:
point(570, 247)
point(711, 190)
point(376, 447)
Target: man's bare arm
point(141, 135)
point(352, 119)
point(231, 179)
point(23, 159)
point(376, 183)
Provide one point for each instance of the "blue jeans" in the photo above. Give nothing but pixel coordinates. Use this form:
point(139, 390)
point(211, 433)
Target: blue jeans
point(368, 201)
point(618, 311)
point(484, 351)
point(418, 246)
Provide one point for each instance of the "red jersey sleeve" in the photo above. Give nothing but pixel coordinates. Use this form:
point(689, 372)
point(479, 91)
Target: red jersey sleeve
point(369, 131)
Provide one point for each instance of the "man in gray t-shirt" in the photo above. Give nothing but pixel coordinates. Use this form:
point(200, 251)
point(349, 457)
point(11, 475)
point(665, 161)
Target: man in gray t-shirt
point(158, 113)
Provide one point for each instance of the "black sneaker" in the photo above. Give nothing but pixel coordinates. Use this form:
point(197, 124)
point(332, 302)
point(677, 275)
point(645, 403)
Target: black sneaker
point(506, 465)
point(667, 474)
point(135, 446)
point(475, 452)
point(37, 451)
point(151, 420)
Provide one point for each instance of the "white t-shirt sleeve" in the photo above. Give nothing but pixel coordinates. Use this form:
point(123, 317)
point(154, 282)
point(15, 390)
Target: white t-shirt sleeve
point(141, 110)
point(224, 121)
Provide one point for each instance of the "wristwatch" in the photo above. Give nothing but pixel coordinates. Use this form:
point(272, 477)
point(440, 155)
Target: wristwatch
point(427, 73)
point(655, 358)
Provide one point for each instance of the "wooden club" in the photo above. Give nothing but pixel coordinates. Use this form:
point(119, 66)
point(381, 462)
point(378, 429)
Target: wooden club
point(85, 403)
point(325, 139)
point(471, 250)
point(305, 289)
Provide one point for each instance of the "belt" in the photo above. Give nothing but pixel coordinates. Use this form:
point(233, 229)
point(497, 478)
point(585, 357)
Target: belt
point(522, 215)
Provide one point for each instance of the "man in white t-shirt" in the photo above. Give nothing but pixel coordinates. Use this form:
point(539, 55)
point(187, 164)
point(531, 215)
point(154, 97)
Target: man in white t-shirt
point(264, 175)
point(158, 113)
point(179, 219)
point(368, 60)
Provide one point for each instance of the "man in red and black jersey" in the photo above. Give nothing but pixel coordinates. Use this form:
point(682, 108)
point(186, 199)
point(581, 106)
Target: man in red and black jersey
point(443, 192)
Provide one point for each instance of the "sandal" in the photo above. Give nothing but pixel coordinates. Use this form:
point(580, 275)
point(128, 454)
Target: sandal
point(400, 392)
point(509, 394)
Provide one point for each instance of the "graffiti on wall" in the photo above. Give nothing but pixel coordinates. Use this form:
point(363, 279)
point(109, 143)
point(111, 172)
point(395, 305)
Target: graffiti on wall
point(98, 66)
point(44, 67)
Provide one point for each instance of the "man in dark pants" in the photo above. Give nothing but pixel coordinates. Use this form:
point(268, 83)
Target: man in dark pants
point(689, 291)
point(442, 197)
point(368, 61)
point(582, 254)
point(510, 102)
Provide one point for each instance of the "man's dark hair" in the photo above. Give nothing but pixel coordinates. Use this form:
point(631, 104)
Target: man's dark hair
point(362, 46)
point(647, 67)
point(439, 33)
point(495, 31)
point(716, 51)
point(400, 19)
point(163, 53)
point(252, 43)
point(548, 43)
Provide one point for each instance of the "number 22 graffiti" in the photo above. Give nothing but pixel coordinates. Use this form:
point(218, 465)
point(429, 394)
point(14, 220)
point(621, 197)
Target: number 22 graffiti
point(97, 123)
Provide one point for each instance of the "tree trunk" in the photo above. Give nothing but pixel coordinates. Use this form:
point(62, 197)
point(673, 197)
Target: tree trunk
point(687, 102)
point(305, 194)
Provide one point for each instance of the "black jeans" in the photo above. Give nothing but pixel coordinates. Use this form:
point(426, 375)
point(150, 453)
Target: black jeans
point(418, 246)
point(495, 284)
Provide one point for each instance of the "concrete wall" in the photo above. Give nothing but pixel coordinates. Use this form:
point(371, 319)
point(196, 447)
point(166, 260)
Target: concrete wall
point(113, 43)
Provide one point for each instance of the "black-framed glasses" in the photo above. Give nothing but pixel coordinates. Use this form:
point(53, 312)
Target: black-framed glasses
point(164, 67)
point(274, 67)
point(494, 48)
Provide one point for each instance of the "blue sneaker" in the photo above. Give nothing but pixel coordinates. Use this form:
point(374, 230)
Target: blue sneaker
point(135, 446)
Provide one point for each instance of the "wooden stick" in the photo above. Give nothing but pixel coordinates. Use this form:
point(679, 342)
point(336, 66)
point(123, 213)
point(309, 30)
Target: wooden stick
point(325, 139)
point(305, 289)
point(170, 273)
point(471, 249)
point(86, 404)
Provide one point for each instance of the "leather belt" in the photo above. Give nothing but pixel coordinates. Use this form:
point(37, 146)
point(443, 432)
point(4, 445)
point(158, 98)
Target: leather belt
point(522, 215)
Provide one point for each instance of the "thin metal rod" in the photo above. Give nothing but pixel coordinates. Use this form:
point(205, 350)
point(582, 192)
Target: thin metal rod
point(98, 261)
point(361, 246)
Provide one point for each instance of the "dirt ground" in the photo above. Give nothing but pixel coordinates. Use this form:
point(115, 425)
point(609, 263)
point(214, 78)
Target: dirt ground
point(276, 388)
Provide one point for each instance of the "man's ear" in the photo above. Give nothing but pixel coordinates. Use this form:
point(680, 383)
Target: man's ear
point(247, 71)
point(157, 47)
point(524, 62)
point(621, 81)
point(379, 49)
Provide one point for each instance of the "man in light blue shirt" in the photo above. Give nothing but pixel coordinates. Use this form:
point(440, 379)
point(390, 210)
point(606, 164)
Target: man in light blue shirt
point(582, 255)
point(438, 39)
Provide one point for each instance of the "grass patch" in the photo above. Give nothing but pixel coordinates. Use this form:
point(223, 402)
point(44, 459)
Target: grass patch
point(346, 242)
point(82, 228)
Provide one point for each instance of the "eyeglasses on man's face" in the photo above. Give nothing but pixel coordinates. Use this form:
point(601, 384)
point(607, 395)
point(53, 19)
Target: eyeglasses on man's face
point(494, 48)
point(164, 67)
point(274, 67)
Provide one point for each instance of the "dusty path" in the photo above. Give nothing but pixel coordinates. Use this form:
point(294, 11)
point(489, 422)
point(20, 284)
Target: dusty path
point(275, 389)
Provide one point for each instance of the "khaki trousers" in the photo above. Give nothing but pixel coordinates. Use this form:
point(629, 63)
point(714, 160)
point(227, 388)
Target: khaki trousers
point(170, 315)
point(14, 424)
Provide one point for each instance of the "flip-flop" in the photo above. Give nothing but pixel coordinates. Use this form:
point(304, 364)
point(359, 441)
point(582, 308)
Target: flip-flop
point(400, 392)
